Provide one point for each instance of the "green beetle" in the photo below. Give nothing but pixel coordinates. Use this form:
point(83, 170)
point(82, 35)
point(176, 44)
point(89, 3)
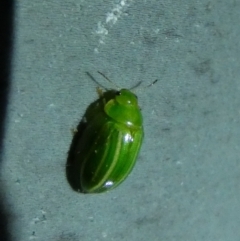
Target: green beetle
point(107, 142)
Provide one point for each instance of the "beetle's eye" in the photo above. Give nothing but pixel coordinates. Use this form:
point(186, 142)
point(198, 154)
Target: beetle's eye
point(118, 93)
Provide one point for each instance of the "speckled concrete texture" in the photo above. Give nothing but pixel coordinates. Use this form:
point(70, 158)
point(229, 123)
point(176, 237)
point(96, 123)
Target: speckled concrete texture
point(185, 185)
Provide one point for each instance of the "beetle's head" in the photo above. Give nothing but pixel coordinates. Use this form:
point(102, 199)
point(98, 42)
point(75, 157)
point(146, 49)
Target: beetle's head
point(126, 97)
point(123, 108)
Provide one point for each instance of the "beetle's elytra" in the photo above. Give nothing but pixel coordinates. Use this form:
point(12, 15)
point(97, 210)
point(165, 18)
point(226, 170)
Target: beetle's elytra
point(107, 148)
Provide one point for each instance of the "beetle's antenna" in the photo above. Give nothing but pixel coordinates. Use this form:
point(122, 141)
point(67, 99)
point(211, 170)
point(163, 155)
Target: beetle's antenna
point(94, 80)
point(104, 76)
point(154, 82)
point(136, 85)
point(139, 89)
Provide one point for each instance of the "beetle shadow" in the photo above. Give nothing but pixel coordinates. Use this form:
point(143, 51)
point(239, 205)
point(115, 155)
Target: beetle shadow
point(73, 165)
point(7, 27)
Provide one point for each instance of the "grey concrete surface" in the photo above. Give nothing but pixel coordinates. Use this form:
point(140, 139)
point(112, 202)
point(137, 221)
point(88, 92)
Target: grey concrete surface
point(185, 185)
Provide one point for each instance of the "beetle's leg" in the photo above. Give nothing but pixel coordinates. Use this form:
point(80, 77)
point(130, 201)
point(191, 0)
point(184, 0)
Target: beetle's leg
point(100, 93)
point(74, 131)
